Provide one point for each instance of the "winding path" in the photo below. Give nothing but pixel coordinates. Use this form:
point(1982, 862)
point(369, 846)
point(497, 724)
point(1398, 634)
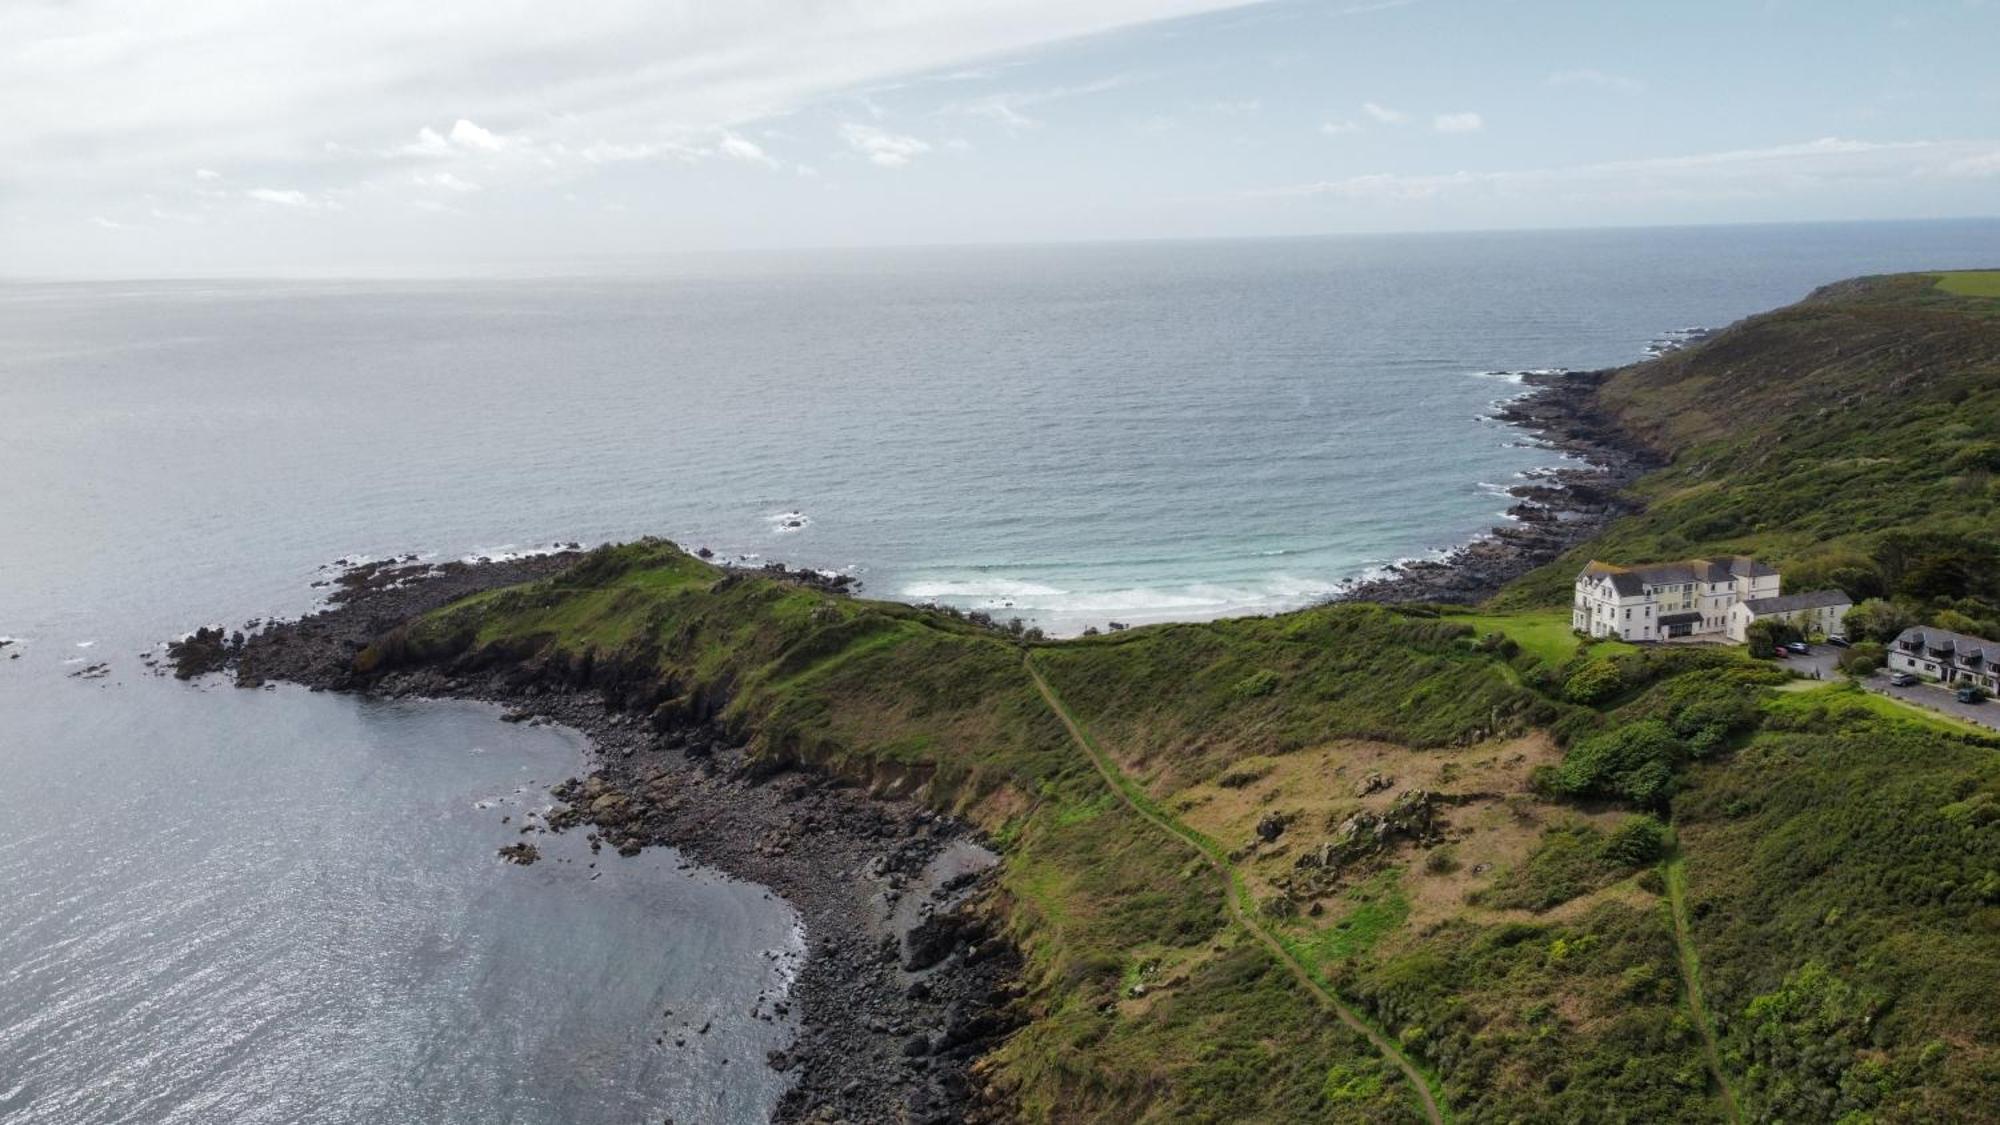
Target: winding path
point(1675, 872)
point(1234, 893)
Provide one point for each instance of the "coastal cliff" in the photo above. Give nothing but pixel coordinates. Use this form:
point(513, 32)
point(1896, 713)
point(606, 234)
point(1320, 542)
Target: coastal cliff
point(1549, 879)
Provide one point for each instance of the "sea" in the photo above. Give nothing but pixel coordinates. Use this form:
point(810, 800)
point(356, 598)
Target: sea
point(279, 906)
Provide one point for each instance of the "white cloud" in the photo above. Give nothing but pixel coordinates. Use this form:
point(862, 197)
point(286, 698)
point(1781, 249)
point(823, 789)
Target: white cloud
point(1597, 79)
point(741, 148)
point(207, 175)
point(1975, 166)
point(1008, 107)
point(283, 197)
point(1338, 128)
point(889, 150)
point(1458, 122)
point(1384, 114)
point(443, 181)
point(467, 135)
point(1730, 174)
point(107, 224)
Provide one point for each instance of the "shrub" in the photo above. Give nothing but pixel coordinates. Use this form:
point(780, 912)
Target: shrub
point(1593, 683)
point(1637, 842)
point(1635, 762)
point(1864, 657)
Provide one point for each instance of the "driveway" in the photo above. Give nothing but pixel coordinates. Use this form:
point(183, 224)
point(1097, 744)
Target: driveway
point(1930, 696)
point(1937, 698)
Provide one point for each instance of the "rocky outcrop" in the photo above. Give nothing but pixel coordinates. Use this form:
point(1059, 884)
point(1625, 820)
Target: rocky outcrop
point(1363, 837)
point(902, 951)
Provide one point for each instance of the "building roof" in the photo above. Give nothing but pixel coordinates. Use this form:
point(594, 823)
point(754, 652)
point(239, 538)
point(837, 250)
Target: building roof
point(1630, 580)
point(1812, 599)
point(1961, 646)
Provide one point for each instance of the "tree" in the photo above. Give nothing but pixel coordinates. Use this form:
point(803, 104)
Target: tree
point(1765, 636)
point(1878, 620)
point(1863, 658)
point(1960, 623)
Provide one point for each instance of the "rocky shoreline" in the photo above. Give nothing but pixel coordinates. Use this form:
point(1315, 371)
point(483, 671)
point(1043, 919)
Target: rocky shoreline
point(906, 982)
point(1554, 510)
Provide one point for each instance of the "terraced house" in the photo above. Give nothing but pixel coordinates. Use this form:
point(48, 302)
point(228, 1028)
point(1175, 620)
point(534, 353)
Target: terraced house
point(1952, 658)
point(1656, 601)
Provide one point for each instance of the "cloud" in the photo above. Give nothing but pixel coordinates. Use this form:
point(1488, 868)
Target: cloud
point(1338, 128)
point(1458, 122)
point(1598, 80)
point(207, 175)
point(748, 151)
point(889, 150)
point(1384, 114)
point(467, 135)
point(1729, 174)
point(1008, 108)
point(108, 224)
point(293, 199)
point(443, 181)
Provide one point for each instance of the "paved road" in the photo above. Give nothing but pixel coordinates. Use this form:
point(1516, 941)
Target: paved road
point(1927, 695)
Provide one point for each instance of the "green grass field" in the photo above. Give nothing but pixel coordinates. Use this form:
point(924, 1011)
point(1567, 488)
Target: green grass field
point(1889, 707)
point(1971, 283)
point(1545, 634)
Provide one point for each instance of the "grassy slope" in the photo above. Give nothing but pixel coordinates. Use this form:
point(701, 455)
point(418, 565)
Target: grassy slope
point(1836, 853)
point(1852, 439)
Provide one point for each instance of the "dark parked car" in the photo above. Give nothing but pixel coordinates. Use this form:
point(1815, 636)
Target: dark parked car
point(1836, 640)
point(1799, 647)
point(1971, 693)
point(1902, 679)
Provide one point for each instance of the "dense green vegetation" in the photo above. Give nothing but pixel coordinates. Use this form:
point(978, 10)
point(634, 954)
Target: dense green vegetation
point(1837, 853)
point(1851, 439)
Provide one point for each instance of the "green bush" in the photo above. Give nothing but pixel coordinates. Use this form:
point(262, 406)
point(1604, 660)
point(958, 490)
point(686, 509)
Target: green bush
point(1635, 762)
point(1593, 683)
point(1864, 657)
point(1637, 842)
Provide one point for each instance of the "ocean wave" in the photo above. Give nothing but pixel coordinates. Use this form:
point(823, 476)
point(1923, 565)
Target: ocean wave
point(784, 523)
point(980, 588)
point(1065, 611)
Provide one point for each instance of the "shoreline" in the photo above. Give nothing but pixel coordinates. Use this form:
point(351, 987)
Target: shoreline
point(1554, 510)
point(904, 983)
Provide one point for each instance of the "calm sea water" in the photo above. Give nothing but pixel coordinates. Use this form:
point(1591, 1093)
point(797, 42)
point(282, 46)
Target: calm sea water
point(276, 906)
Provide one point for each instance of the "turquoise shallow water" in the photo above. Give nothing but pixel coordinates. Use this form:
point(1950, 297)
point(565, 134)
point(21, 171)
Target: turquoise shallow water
point(278, 906)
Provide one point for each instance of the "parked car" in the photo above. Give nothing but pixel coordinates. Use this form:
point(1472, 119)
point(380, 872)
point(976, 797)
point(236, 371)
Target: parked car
point(1837, 640)
point(1780, 652)
point(1799, 647)
point(1971, 693)
point(1902, 679)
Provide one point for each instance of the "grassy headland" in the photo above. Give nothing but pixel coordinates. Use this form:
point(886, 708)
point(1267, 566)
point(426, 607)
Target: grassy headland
point(1459, 824)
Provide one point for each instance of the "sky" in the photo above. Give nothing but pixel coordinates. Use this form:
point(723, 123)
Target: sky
point(230, 137)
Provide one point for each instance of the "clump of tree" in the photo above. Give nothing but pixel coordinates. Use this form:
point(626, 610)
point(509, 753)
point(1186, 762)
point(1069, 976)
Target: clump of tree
point(1878, 620)
point(1765, 636)
point(1863, 657)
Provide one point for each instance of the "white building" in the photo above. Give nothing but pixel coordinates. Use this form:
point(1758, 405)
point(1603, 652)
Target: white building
point(1818, 612)
point(1677, 599)
point(1948, 657)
